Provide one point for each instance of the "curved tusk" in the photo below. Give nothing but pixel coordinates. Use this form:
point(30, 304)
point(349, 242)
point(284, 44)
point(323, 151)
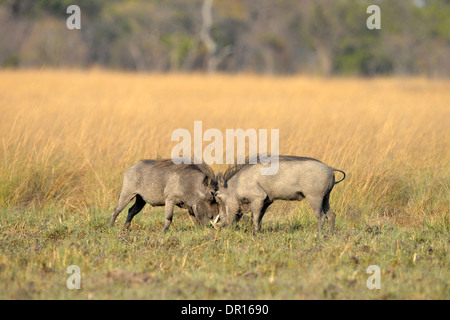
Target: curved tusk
point(214, 223)
point(215, 226)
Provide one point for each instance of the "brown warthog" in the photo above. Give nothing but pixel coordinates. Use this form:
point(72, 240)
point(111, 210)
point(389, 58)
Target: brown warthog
point(163, 183)
point(243, 188)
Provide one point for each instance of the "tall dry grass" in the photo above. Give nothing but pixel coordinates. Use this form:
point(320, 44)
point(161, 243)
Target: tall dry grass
point(68, 136)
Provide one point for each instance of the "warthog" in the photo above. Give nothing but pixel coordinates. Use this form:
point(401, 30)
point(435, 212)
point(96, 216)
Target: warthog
point(242, 188)
point(163, 183)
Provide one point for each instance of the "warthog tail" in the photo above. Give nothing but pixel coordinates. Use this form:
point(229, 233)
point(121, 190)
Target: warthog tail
point(334, 169)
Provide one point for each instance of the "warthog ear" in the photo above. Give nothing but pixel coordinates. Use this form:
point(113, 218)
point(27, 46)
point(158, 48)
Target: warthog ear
point(206, 181)
point(220, 180)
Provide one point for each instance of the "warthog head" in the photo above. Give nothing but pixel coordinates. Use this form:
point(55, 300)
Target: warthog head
point(206, 207)
point(229, 207)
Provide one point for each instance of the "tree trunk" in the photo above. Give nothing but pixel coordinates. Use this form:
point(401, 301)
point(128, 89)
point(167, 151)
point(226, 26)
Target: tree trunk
point(205, 35)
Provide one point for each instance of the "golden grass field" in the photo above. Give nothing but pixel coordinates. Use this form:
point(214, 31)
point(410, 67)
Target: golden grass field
point(68, 136)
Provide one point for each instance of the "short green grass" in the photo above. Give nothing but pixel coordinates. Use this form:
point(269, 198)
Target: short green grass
point(63, 153)
point(286, 260)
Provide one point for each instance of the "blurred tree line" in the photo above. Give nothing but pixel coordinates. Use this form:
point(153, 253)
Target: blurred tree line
point(263, 36)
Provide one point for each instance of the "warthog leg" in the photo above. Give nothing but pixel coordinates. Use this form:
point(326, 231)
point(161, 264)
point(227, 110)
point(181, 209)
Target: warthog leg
point(193, 217)
point(331, 216)
point(316, 205)
point(123, 201)
point(168, 213)
point(259, 208)
point(134, 210)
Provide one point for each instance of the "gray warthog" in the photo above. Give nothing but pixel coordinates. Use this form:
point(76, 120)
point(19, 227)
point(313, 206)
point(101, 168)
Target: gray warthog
point(242, 188)
point(163, 183)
